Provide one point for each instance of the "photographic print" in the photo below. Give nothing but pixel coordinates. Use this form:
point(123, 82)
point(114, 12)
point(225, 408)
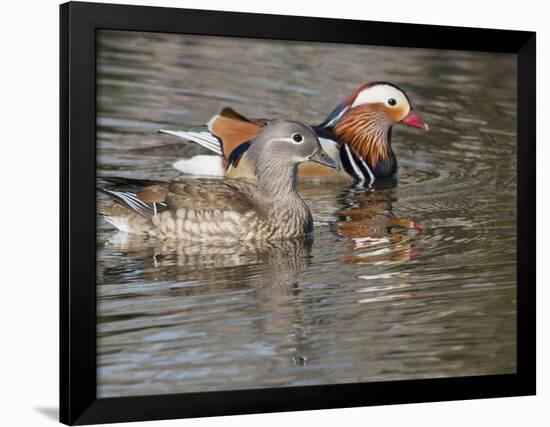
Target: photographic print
point(277, 213)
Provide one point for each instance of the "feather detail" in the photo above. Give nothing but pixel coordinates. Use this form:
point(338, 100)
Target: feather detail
point(200, 136)
point(366, 130)
point(132, 201)
point(223, 133)
point(334, 116)
point(232, 130)
point(237, 153)
point(344, 106)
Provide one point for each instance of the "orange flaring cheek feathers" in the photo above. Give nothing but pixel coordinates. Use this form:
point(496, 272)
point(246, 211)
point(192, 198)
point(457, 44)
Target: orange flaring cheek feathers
point(366, 130)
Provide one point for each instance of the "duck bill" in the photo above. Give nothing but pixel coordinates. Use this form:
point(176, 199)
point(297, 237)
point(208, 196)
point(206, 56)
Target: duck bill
point(322, 158)
point(416, 122)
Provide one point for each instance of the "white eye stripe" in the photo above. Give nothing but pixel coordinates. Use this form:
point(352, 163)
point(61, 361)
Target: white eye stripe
point(380, 94)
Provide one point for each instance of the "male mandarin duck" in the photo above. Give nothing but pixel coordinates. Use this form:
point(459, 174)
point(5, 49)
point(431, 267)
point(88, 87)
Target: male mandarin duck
point(356, 135)
point(229, 210)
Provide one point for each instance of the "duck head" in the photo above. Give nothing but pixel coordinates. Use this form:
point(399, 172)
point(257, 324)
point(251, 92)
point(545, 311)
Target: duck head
point(365, 118)
point(287, 142)
point(276, 152)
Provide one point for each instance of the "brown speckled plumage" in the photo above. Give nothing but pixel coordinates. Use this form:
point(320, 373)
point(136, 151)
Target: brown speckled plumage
point(230, 210)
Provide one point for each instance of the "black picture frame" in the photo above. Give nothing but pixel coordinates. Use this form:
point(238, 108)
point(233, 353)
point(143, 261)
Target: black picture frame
point(78, 400)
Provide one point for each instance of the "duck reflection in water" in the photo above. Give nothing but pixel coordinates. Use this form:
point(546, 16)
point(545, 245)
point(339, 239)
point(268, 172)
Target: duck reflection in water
point(270, 270)
point(280, 262)
point(372, 232)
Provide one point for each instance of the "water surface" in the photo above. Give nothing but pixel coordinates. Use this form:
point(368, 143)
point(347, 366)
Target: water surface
point(414, 279)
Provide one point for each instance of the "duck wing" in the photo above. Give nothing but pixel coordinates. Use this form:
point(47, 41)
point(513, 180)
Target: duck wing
point(145, 201)
point(211, 194)
point(195, 195)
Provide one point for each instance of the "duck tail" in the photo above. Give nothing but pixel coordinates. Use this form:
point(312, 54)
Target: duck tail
point(199, 135)
point(131, 201)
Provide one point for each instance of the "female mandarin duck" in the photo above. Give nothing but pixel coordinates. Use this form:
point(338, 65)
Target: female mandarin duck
point(356, 135)
point(228, 210)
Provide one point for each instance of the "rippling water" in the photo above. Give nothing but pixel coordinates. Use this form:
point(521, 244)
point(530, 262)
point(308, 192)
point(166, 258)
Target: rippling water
point(414, 279)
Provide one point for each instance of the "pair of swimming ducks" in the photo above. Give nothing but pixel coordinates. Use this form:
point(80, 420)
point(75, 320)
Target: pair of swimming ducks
point(261, 162)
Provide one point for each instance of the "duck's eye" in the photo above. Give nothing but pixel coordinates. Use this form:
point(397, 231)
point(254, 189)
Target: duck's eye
point(297, 137)
point(392, 101)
